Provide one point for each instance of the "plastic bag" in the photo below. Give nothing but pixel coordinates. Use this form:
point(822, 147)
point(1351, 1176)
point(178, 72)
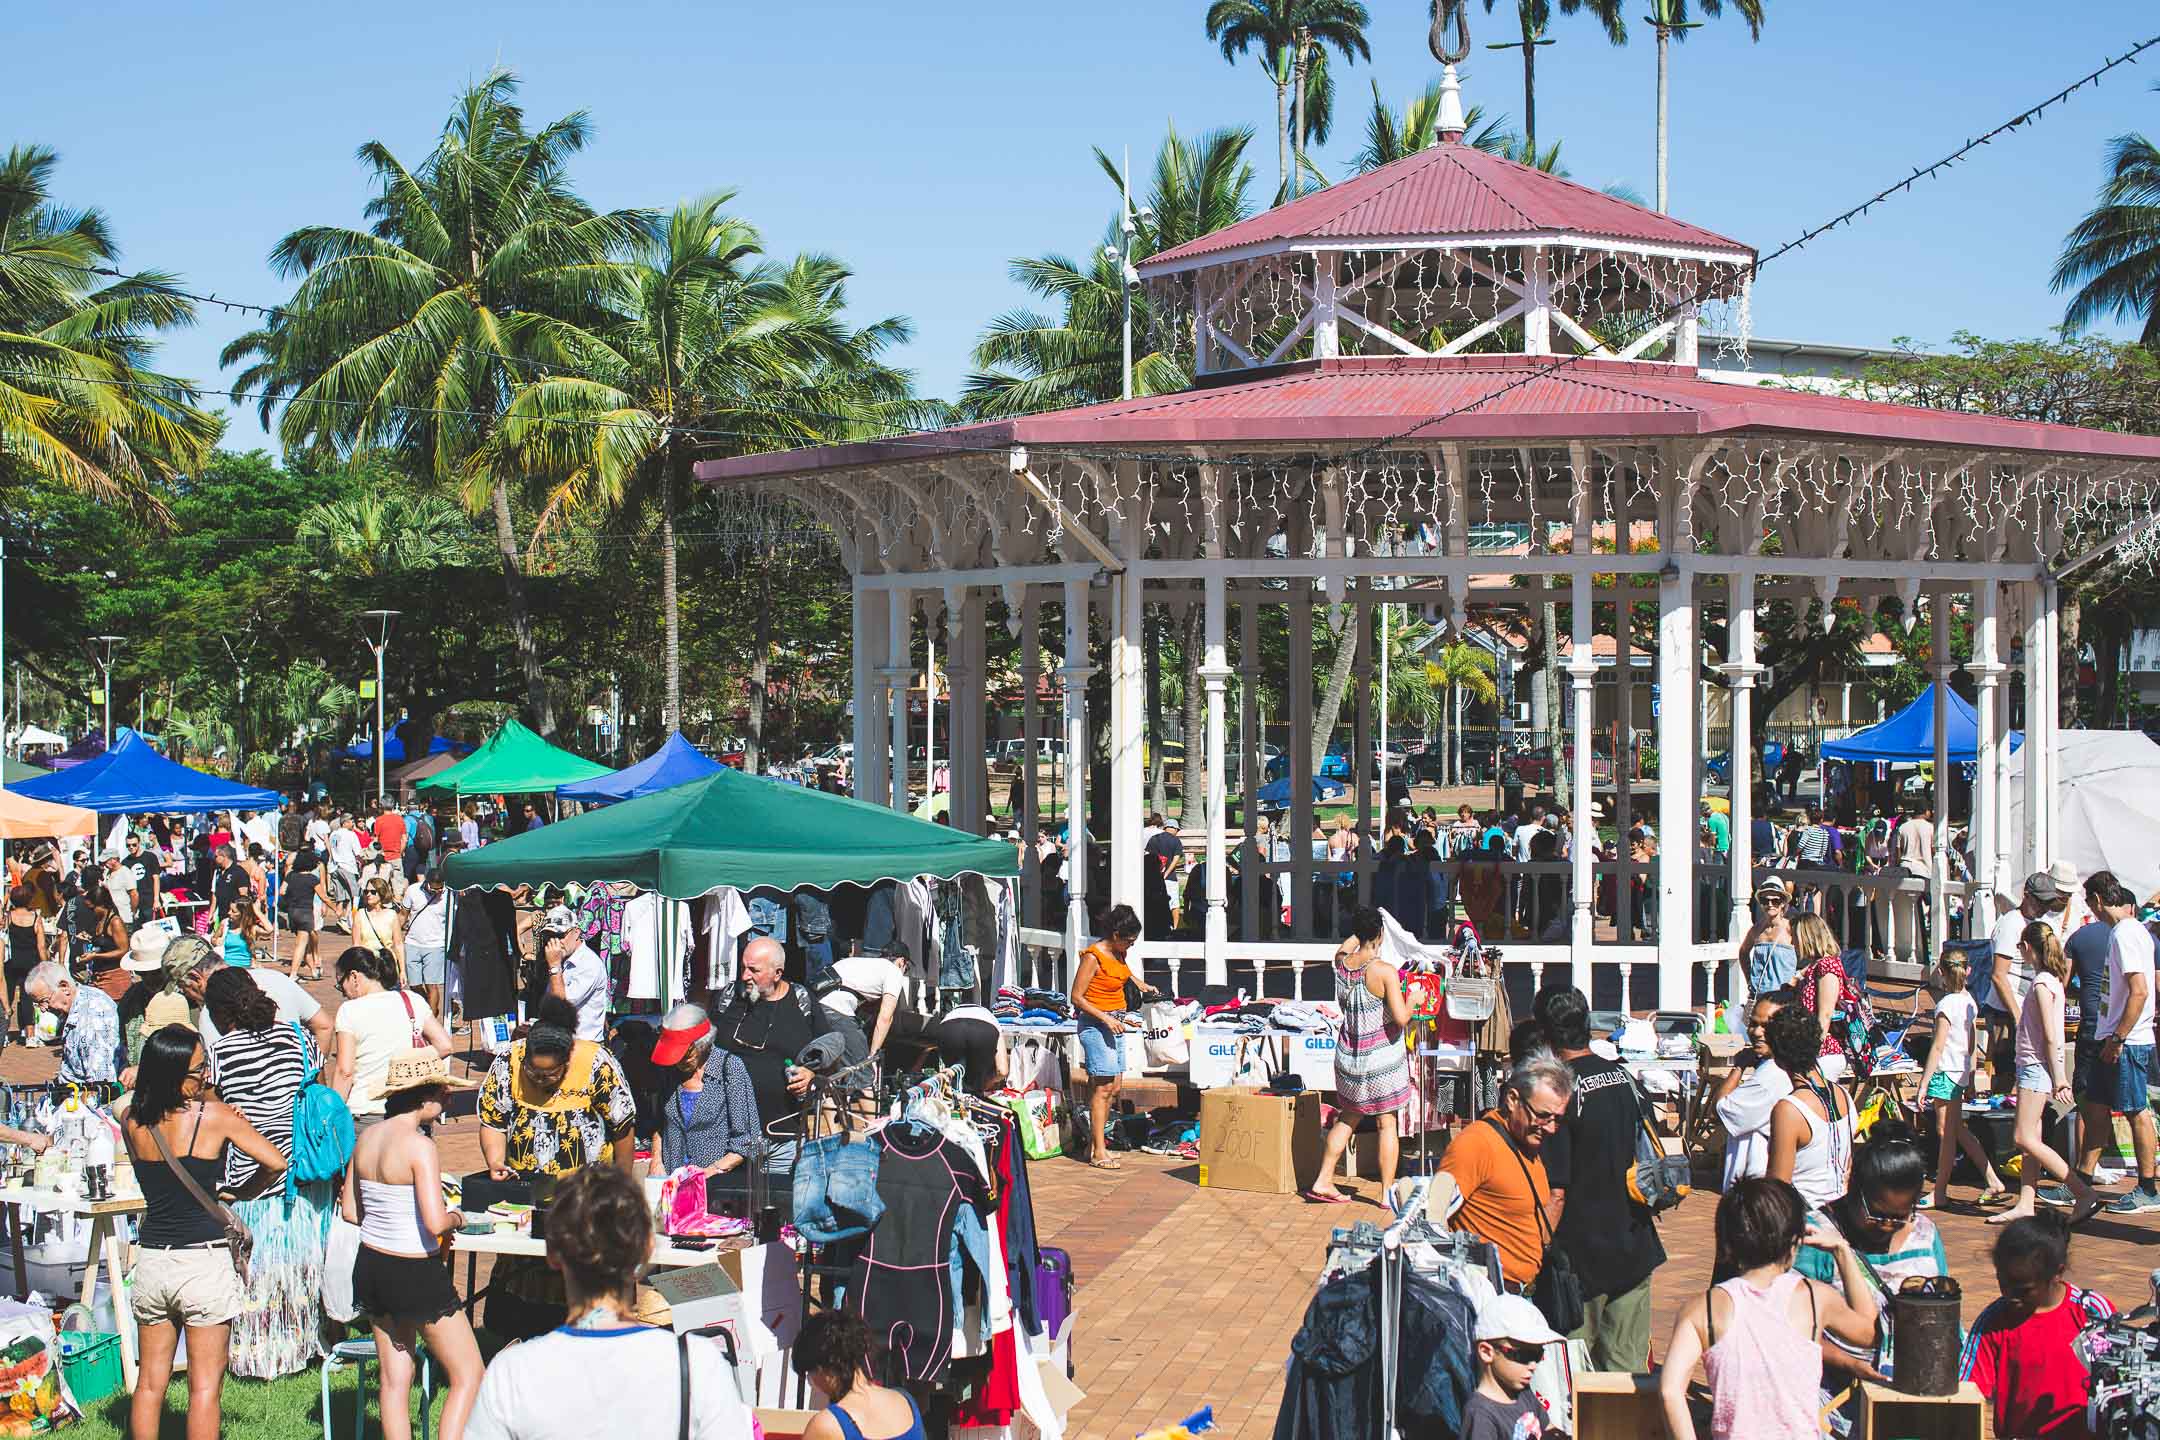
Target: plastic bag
point(34, 1396)
point(1164, 1035)
point(1041, 1115)
point(339, 1253)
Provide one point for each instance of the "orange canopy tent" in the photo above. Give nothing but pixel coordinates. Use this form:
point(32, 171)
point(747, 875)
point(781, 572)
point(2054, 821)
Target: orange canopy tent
point(22, 818)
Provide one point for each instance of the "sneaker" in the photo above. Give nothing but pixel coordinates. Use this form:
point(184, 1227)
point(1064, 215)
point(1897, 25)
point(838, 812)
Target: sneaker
point(2135, 1202)
point(2058, 1196)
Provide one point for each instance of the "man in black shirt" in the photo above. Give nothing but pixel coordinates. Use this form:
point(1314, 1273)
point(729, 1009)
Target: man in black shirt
point(767, 1025)
point(1607, 1237)
point(228, 882)
point(145, 870)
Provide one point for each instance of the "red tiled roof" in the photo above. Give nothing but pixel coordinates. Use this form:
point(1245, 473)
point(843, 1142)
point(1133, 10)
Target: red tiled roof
point(1510, 398)
point(1447, 190)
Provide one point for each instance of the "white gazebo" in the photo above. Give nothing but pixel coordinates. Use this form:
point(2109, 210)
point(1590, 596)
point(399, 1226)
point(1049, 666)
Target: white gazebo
point(1449, 342)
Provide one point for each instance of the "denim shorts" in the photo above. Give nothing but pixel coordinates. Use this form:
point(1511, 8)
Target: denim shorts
point(1102, 1052)
point(423, 966)
point(2035, 1077)
point(2129, 1088)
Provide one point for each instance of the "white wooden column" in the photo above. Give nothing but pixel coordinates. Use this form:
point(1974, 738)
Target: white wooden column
point(2049, 720)
point(1128, 719)
point(1582, 670)
point(1363, 635)
point(1258, 887)
point(1986, 670)
point(1741, 672)
point(1939, 860)
point(1298, 618)
point(1215, 674)
point(2039, 702)
point(971, 707)
point(1075, 674)
point(1678, 703)
point(898, 673)
point(871, 729)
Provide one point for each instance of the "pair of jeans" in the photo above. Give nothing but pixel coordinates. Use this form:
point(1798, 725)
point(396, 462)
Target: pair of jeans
point(970, 1246)
point(836, 1194)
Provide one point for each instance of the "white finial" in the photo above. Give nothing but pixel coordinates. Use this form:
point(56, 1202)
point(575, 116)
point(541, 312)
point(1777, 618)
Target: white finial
point(1449, 126)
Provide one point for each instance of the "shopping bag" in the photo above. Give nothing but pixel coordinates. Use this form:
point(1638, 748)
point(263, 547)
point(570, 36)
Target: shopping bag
point(339, 1253)
point(1164, 1034)
point(33, 1393)
point(1041, 1119)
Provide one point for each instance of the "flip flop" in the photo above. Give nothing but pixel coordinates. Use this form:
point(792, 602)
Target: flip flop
point(1107, 1164)
point(1989, 1198)
point(1316, 1197)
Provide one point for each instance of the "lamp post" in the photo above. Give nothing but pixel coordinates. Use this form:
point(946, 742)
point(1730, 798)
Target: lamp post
point(377, 634)
point(106, 644)
point(1120, 255)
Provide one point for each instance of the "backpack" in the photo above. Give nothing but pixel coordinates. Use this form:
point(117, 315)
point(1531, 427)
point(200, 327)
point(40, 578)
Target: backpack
point(322, 1130)
point(291, 831)
point(1656, 1181)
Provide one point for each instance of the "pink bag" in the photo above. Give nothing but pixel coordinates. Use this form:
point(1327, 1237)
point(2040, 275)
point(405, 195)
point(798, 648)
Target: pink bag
point(682, 1207)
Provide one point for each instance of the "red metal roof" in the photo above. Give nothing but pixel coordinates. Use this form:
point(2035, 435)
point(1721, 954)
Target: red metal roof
point(1361, 400)
point(1446, 190)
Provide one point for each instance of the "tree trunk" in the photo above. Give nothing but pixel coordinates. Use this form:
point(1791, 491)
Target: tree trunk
point(1338, 682)
point(1297, 127)
point(1556, 730)
point(2066, 648)
point(1447, 730)
point(1529, 90)
point(537, 702)
point(1151, 682)
point(760, 678)
point(678, 471)
point(1193, 791)
point(1282, 136)
point(2113, 633)
point(1663, 43)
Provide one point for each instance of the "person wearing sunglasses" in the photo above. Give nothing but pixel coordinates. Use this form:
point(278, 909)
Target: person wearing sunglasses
point(1511, 1340)
point(1768, 951)
point(1498, 1166)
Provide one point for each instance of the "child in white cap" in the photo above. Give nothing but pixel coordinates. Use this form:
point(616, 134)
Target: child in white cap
point(1511, 1340)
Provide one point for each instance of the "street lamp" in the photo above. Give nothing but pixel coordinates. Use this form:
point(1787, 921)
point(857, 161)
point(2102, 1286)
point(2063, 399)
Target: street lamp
point(377, 634)
point(105, 644)
point(1120, 255)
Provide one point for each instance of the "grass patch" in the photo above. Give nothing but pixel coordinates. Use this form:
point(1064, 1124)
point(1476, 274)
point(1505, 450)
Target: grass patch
point(287, 1409)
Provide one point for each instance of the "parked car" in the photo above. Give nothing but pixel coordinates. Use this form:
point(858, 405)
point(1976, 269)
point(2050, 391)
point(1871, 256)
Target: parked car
point(1773, 755)
point(1334, 765)
point(1534, 768)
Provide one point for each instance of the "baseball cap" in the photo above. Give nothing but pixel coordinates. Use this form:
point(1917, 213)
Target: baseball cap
point(2040, 885)
point(559, 920)
point(1511, 1317)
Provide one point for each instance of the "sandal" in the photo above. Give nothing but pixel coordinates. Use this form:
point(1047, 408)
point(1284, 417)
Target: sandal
point(1323, 1197)
point(1107, 1163)
point(1990, 1198)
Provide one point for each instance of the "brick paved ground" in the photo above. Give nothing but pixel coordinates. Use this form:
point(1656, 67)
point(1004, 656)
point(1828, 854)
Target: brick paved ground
point(1190, 1296)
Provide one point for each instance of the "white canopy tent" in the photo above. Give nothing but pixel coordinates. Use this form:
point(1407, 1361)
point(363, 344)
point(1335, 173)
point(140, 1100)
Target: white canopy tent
point(2107, 805)
point(34, 735)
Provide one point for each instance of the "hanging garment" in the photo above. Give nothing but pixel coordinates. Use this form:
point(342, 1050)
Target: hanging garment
point(912, 919)
point(600, 918)
point(956, 966)
point(727, 922)
point(898, 1285)
point(878, 927)
point(656, 932)
point(483, 948)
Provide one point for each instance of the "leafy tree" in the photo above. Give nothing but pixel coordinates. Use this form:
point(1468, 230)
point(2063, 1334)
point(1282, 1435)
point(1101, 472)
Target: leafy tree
point(480, 267)
point(1390, 136)
point(79, 406)
point(1455, 670)
point(1285, 32)
point(2112, 256)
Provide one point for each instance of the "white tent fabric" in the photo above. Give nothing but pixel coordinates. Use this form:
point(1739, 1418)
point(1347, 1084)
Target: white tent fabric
point(36, 735)
point(2107, 809)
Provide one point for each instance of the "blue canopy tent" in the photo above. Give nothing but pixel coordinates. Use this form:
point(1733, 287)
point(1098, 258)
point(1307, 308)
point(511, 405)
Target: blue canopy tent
point(676, 762)
point(1276, 794)
point(131, 777)
point(394, 749)
point(1908, 737)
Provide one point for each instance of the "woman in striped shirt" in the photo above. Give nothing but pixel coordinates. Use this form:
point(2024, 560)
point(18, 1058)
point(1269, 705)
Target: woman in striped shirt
point(262, 1064)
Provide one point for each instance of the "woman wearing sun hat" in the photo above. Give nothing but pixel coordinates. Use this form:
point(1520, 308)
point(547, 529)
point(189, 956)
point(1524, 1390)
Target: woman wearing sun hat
point(1768, 951)
point(393, 1192)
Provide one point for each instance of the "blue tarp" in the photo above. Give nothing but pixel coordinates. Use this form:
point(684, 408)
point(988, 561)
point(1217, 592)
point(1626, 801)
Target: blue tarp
point(1276, 796)
point(1908, 737)
point(394, 751)
point(676, 762)
point(131, 778)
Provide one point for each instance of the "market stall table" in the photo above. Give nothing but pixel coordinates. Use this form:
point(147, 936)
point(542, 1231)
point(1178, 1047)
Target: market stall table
point(106, 1247)
point(667, 1254)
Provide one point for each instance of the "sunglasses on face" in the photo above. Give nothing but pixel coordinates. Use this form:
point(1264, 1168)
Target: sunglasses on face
point(1522, 1353)
point(1875, 1217)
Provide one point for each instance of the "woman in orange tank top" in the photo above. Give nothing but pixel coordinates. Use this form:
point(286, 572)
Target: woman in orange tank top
point(1098, 996)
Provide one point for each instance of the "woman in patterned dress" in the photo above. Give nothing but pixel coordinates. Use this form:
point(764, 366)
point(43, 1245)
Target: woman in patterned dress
point(261, 1064)
point(1372, 1069)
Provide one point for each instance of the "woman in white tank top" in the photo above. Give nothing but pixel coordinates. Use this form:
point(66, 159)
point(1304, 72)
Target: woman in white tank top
point(1811, 1130)
point(393, 1192)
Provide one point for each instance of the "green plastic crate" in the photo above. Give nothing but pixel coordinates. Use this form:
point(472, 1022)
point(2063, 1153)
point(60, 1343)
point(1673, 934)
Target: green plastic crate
point(90, 1364)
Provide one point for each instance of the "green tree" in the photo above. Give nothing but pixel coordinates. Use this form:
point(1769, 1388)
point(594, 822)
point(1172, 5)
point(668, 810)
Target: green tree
point(480, 268)
point(2112, 257)
point(707, 349)
point(1028, 361)
point(1670, 19)
point(1390, 136)
point(1459, 670)
point(1286, 33)
point(386, 531)
point(79, 406)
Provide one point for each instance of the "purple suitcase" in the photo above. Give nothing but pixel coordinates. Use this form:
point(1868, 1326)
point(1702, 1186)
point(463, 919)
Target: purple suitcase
point(1054, 1294)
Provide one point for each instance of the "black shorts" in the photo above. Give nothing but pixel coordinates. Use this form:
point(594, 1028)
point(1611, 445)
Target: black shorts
point(402, 1287)
point(969, 1043)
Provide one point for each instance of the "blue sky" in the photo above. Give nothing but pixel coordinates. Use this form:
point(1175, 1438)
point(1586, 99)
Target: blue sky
point(926, 143)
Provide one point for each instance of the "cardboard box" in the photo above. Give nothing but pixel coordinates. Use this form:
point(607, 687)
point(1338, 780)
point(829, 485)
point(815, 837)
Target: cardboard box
point(1265, 1143)
point(1887, 1413)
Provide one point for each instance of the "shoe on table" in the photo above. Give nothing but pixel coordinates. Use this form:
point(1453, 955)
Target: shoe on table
point(2058, 1196)
point(2136, 1202)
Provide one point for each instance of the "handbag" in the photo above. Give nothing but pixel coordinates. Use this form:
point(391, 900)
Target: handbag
point(237, 1239)
point(1558, 1293)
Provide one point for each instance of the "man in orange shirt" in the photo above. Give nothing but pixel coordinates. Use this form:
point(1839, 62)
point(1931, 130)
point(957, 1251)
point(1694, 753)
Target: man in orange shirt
point(1496, 1165)
point(389, 830)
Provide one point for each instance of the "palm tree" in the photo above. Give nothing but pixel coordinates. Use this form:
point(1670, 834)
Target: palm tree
point(1285, 31)
point(709, 349)
point(1454, 670)
point(2113, 255)
point(1534, 16)
point(79, 407)
point(1028, 361)
point(1390, 137)
point(1670, 19)
point(380, 533)
point(479, 268)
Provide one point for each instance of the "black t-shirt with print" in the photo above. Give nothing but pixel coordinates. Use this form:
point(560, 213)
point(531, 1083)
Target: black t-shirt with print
point(1607, 1237)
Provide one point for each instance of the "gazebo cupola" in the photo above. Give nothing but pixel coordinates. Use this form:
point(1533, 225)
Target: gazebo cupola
point(1441, 252)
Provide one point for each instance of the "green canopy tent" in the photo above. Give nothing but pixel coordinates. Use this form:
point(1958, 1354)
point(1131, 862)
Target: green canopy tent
point(21, 770)
point(736, 831)
point(513, 761)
